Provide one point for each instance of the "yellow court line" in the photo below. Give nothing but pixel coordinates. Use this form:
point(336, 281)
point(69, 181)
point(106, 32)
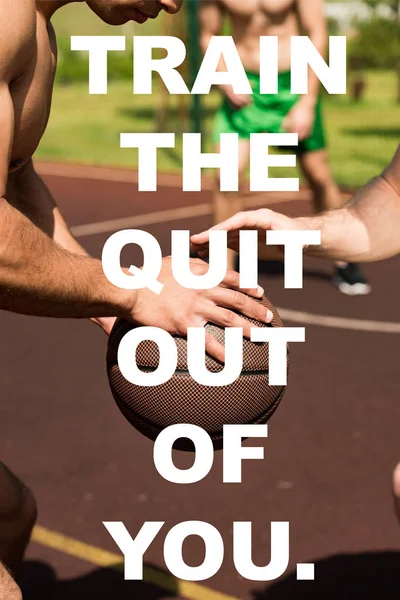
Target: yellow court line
point(109, 560)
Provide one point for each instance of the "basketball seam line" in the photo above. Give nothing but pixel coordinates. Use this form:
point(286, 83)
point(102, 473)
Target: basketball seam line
point(186, 372)
point(146, 421)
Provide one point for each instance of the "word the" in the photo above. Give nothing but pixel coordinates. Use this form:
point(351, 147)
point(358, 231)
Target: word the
point(304, 56)
point(226, 160)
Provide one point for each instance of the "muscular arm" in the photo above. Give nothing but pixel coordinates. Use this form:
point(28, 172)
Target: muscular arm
point(37, 276)
point(32, 198)
point(368, 228)
point(211, 13)
point(40, 277)
point(313, 23)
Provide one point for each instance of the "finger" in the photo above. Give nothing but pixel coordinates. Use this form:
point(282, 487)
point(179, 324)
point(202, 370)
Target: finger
point(235, 300)
point(214, 348)
point(197, 248)
point(241, 220)
point(232, 281)
point(202, 250)
point(224, 317)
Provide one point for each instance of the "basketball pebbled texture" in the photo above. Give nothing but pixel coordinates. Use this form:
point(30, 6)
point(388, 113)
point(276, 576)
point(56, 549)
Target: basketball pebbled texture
point(249, 400)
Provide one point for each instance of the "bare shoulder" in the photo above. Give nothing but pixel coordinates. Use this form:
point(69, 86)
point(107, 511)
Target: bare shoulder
point(17, 32)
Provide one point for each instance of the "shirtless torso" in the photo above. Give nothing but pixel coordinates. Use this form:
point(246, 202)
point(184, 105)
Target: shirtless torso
point(254, 18)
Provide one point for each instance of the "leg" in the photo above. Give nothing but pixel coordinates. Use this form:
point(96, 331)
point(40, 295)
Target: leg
point(17, 518)
point(227, 204)
point(315, 166)
point(326, 194)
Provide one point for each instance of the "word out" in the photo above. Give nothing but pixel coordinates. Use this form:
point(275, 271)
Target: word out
point(196, 355)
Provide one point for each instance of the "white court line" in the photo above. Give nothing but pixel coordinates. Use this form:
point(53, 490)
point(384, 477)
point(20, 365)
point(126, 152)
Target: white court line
point(154, 218)
point(305, 318)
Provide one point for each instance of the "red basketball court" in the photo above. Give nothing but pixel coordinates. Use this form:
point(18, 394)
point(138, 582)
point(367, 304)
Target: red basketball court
point(331, 450)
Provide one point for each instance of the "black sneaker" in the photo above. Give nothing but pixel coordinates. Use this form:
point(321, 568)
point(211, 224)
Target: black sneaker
point(350, 281)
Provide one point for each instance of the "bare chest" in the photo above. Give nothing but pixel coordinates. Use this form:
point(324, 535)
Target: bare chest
point(31, 95)
point(259, 16)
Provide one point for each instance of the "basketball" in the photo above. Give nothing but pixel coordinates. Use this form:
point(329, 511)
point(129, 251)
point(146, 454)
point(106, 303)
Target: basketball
point(249, 400)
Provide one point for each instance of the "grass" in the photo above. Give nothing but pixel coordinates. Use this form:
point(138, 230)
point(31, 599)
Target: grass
point(83, 128)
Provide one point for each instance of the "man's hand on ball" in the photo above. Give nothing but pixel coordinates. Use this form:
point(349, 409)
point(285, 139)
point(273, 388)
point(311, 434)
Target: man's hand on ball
point(178, 308)
point(262, 220)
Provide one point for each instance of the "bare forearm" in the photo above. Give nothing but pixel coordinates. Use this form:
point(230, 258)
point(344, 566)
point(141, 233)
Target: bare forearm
point(367, 229)
point(39, 277)
point(34, 200)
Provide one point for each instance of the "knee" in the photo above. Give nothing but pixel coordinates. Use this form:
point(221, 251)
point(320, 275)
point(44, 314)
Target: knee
point(18, 509)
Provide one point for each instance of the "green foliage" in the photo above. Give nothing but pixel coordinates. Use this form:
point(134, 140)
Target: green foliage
point(333, 26)
point(377, 44)
point(394, 5)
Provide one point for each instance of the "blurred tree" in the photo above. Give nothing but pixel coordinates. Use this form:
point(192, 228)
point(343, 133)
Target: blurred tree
point(394, 5)
point(377, 43)
point(333, 26)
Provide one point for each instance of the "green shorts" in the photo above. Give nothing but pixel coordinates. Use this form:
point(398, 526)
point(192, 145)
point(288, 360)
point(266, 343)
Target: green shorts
point(266, 113)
